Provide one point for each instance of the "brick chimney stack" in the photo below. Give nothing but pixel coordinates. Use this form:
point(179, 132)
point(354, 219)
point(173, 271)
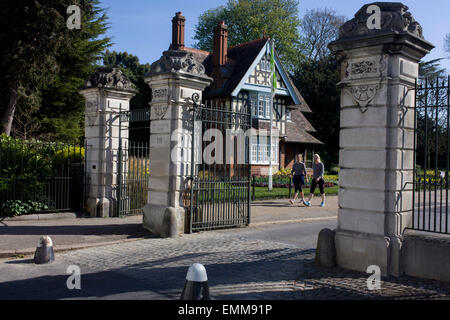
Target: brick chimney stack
point(220, 47)
point(178, 32)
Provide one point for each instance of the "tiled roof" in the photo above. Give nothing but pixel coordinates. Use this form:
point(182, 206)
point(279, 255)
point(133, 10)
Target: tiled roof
point(239, 60)
point(298, 129)
point(200, 55)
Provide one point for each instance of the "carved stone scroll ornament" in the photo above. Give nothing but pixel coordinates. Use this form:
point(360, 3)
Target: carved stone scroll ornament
point(178, 61)
point(160, 111)
point(107, 77)
point(91, 112)
point(395, 18)
point(367, 66)
point(160, 94)
point(364, 94)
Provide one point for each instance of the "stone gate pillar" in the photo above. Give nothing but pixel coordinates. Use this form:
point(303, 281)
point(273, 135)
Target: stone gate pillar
point(173, 79)
point(106, 91)
point(380, 49)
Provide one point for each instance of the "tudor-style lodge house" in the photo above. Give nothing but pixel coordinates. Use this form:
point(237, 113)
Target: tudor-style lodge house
point(241, 78)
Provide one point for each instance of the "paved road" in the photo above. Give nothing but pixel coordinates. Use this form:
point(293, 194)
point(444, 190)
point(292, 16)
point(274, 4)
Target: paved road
point(250, 263)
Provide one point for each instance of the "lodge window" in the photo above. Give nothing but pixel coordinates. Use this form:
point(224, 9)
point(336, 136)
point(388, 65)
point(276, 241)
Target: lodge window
point(260, 105)
point(261, 108)
point(261, 151)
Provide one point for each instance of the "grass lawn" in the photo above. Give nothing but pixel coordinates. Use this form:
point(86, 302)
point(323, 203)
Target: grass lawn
point(261, 193)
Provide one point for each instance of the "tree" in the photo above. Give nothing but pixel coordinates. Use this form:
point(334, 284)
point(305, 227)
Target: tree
point(248, 20)
point(319, 27)
point(316, 80)
point(431, 69)
point(62, 109)
point(135, 71)
point(447, 43)
point(32, 33)
point(47, 65)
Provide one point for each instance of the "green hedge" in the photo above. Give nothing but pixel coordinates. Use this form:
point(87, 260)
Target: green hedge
point(26, 167)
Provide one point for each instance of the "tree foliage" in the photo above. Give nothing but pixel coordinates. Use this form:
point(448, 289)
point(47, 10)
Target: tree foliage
point(447, 43)
point(317, 81)
point(45, 63)
point(62, 108)
point(431, 69)
point(135, 71)
point(248, 20)
point(319, 27)
point(32, 33)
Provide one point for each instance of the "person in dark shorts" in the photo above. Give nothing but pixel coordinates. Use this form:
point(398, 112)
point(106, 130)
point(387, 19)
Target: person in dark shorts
point(317, 180)
point(299, 174)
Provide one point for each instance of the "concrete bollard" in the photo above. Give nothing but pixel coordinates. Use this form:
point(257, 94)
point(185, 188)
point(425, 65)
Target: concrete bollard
point(196, 286)
point(44, 251)
point(326, 249)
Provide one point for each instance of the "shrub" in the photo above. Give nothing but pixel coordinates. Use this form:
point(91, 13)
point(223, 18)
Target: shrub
point(27, 171)
point(68, 154)
point(285, 173)
point(335, 170)
point(13, 208)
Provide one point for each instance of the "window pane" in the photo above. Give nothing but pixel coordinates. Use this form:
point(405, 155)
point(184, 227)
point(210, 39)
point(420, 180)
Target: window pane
point(261, 108)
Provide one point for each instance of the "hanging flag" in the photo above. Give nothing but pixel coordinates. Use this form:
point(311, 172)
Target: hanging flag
point(272, 66)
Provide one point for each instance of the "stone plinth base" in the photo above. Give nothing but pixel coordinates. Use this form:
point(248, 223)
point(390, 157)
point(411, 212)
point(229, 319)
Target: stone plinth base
point(426, 255)
point(166, 222)
point(100, 207)
point(357, 251)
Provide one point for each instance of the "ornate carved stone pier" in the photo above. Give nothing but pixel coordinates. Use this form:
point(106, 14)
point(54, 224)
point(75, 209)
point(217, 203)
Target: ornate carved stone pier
point(106, 91)
point(174, 78)
point(379, 68)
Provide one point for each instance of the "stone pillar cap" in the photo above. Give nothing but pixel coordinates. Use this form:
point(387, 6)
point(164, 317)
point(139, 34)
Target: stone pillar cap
point(397, 26)
point(178, 61)
point(109, 77)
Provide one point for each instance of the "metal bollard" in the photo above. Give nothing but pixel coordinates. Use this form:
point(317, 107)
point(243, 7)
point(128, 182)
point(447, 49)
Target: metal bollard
point(44, 251)
point(196, 286)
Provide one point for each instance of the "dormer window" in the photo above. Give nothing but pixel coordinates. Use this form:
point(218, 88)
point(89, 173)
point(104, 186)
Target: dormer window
point(288, 114)
point(265, 65)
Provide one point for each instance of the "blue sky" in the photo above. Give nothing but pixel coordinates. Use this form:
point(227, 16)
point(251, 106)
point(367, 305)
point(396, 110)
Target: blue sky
point(143, 27)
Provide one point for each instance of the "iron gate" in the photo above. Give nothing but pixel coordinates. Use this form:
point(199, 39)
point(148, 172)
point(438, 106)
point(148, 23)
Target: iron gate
point(220, 191)
point(431, 161)
point(133, 167)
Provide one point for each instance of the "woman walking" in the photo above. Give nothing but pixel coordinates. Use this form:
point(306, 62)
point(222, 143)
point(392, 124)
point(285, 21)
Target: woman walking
point(298, 173)
point(318, 172)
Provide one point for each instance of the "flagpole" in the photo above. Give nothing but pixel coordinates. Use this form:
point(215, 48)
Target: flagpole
point(271, 116)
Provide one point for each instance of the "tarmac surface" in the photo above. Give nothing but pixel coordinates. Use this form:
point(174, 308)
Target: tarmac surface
point(273, 259)
point(20, 238)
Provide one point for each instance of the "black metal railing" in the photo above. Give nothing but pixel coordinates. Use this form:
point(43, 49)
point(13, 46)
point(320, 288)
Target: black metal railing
point(219, 193)
point(38, 176)
point(431, 161)
point(133, 163)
